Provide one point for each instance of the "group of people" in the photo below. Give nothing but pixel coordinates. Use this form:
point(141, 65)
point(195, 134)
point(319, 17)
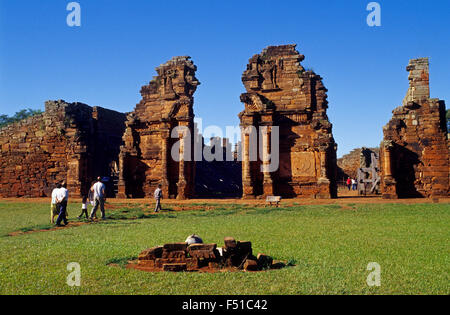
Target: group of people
point(60, 199)
point(352, 184)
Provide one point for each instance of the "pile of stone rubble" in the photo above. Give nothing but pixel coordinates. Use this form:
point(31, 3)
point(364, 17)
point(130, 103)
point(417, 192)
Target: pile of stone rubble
point(178, 257)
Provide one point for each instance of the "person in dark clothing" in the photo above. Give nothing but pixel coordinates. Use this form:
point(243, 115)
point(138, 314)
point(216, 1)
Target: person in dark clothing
point(84, 211)
point(158, 196)
point(62, 198)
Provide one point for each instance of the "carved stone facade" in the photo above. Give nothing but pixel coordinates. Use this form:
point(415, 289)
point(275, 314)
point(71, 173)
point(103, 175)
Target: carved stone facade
point(69, 142)
point(281, 93)
point(145, 157)
point(415, 151)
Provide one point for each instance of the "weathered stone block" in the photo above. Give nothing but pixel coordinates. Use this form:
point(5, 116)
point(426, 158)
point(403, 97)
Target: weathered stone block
point(152, 253)
point(175, 267)
point(175, 247)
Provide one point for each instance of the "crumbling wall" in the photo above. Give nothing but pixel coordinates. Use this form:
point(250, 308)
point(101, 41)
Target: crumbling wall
point(59, 145)
point(415, 152)
point(349, 164)
point(145, 157)
point(280, 92)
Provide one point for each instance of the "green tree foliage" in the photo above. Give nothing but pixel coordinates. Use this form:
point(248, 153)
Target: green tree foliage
point(18, 116)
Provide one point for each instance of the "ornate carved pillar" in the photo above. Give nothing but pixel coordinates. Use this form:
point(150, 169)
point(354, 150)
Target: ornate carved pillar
point(165, 135)
point(247, 187)
point(122, 184)
point(268, 182)
point(323, 167)
point(387, 159)
point(389, 184)
point(182, 184)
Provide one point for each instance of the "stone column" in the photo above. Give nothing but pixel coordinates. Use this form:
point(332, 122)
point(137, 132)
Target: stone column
point(323, 167)
point(387, 159)
point(389, 188)
point(247, 187)
point(122, 184)
point(323, 182)
point(182, 184)
point(165, 136)
point(268, 182)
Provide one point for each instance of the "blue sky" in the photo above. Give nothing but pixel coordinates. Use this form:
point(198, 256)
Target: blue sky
point(115, 51)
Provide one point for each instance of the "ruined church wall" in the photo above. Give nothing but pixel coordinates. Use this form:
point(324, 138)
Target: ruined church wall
point(58, 145)
point(145, 158)
point(415, 151)
point(281, 93)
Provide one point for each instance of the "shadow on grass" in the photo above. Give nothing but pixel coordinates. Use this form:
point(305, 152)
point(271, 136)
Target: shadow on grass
point(120, 262)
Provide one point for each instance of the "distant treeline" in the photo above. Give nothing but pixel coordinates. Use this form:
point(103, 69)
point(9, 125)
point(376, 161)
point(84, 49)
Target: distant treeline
point(18, 116)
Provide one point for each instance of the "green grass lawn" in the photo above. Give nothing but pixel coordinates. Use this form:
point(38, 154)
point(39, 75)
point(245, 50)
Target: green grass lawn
point(331, 247)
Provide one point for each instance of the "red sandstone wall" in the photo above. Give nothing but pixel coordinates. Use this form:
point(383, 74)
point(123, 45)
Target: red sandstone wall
point(58, 145)
point(145, 159)
point(415, 152)
point(280, 92)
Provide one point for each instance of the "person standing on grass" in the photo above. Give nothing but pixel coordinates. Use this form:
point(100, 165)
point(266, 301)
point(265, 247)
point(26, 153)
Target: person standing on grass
point(354, 184)
point(158, 196)
point(54, 211)
point(99, 198)
point(62, 198)
point(84, 208)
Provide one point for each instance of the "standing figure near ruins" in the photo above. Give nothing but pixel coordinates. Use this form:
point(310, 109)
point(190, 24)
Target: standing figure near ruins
point(54, 211)
point(99, 198)
point(62, 199)
point(158, 196)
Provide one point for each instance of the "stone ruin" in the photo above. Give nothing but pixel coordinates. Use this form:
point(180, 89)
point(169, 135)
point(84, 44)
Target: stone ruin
point(74, 142)
point(415, 150)
point(349, 164)
point(179, 257)
point(145, 157)
point(361, 164)
point(59, 145)
point(280, 92)
point(221, 178)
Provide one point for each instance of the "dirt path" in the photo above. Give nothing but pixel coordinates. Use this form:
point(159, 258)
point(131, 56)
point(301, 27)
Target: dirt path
point(56, 228)
point(198, 203)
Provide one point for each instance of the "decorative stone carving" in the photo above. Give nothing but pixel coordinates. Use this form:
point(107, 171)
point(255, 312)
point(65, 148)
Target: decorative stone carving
point(167, 103)
point(280, 92)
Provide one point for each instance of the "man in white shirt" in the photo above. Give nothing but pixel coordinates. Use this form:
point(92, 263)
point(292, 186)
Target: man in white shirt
point(62, 197)
point(354, 184)
point(54, 211)
point(158, 196)
point(99, 198)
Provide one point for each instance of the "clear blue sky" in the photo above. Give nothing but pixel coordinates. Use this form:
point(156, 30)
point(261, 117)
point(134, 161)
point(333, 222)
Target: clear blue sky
point(107, 60)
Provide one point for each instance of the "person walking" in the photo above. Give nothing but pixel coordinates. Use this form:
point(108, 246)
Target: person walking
point(158, 196)
point(84, 203)
point(349, 183)
point(54, 211)
point(98, 191)
point(62, 198)
point(354, 184)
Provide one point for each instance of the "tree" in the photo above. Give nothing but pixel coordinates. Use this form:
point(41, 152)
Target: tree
point(18, 116)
